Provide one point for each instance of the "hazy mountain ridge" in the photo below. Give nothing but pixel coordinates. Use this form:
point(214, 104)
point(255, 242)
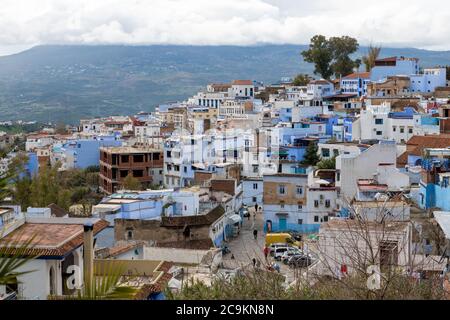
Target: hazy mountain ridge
point(66, 83)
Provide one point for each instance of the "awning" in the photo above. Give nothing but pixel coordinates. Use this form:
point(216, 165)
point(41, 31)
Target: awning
point(235, 218)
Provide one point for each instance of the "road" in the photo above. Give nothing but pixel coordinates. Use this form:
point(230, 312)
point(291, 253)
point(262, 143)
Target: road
point(244, 247)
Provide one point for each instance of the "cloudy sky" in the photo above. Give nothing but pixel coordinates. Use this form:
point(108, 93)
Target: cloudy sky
point(418, 23)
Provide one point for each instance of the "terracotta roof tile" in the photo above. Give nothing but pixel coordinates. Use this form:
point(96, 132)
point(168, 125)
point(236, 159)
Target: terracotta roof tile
point(242, 82)
point(51, 239)
point(357, 75)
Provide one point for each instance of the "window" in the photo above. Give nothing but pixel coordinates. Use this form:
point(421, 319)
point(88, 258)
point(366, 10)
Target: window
point(316, 218)
point(185, 169)
point(325, 218)
point(156, 156)
point(300, 221)
point(255, 186)
point(378, 121)
point(254, 199)
point(379, 133)
point(327, 203)
point(138, 173)
point(325, 152)
point(316, 203)
point(282, 204)
point(282, 189)
point(402, 130)
point(394, 128)
point(299, 190)
point(410, 130)
point(300, 207)
point(129, 234)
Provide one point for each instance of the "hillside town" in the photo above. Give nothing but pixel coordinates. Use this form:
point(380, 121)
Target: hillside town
point(306, 181)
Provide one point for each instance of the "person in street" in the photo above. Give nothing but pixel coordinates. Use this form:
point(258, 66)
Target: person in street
point(255, 233)
point(254, 262)
point(266, 252)
point(256, 208)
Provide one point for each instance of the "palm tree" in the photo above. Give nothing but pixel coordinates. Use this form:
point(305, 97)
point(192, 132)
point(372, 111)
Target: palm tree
point(12, 257)
point(371, 57)
point(108, 284)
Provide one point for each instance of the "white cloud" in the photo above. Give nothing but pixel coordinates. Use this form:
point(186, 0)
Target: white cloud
point(416, 23)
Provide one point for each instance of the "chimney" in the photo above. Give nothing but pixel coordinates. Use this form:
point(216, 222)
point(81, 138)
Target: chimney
point(88, 253)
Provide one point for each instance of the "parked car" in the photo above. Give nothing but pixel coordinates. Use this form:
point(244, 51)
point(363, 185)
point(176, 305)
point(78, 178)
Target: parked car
point(275, 246)
point(300, 261)
point(292, 251)
point(279, 252)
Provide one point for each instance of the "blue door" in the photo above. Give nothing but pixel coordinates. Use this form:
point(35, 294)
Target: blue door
point(282, 224)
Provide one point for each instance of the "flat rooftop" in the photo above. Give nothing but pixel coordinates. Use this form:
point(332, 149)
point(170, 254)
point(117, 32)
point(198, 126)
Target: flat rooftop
point(351, 225)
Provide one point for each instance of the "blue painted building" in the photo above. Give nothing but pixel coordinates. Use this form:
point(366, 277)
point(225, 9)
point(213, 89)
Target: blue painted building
point(329, 121)
point(348, 129)
point(285, 207)
point(86, 152)
point(435, 184)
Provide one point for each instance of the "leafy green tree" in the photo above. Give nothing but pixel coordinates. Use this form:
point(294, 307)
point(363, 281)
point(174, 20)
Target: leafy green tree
point(311, 157)
point(342, 48)
point(131, 183)
point(321, 54)
point(371, 56)
point(332, 56)
point(301, 80)
point(327, 163)
point(22, 191)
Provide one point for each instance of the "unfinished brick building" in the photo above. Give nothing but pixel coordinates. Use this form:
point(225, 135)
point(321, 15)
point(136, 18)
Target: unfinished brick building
point(116, 163)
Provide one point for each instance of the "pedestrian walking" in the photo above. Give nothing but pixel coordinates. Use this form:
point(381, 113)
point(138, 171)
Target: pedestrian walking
point(266, 252)
point(255, 233)
point(254, 262)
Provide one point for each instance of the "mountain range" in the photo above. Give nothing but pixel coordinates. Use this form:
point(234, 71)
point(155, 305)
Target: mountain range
point(67, 83)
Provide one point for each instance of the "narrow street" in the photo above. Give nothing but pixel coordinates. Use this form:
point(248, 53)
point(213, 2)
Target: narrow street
point(244, 247)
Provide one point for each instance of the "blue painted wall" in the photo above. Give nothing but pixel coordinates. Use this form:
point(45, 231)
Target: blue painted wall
point(442, 196)
point(87, 152)
point(301, 228)
point(32, 167)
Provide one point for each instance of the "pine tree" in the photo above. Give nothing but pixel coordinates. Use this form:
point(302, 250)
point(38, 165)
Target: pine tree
point(311, 157)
